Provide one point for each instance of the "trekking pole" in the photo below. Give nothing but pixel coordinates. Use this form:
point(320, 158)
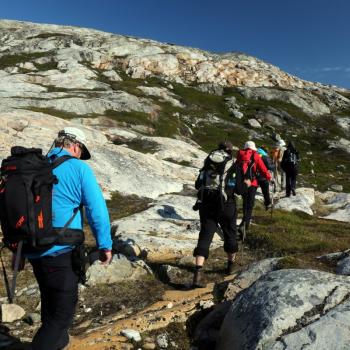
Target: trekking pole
point(242, 244)
point(273, 197)
point(6, 280)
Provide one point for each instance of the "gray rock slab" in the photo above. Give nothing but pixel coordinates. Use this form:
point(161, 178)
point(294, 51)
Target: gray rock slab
point(332, 331)
point(343, 266)
point(284, 302)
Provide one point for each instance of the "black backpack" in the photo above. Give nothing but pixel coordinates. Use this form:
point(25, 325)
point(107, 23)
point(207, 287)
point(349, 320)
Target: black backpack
point(236, 177)
point(210, 181)
point(26, 185)
point(290, 160)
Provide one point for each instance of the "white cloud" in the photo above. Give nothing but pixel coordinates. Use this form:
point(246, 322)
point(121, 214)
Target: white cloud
point(330, 69)
point(326, 69)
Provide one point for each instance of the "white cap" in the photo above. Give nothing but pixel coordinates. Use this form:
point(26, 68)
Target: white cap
point(280, 143)
point(76, 135)
point(251, 145)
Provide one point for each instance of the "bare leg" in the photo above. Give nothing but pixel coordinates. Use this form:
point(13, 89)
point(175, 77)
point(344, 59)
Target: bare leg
point(200, 260)
point(231, 256)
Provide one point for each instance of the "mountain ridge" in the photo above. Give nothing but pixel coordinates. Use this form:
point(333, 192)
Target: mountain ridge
point(233, 74)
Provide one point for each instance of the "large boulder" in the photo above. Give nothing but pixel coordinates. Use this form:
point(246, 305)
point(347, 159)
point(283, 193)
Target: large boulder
point(289, 309)
point(120, 269)
point(344, 123)
point(339, 204)
point(303, 201)
point(207, 330)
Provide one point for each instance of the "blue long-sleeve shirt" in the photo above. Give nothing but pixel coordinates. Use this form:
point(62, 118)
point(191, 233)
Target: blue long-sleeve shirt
point(77, 184)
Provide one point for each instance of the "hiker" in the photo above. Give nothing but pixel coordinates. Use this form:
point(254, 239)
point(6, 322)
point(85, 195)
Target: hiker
point(217, 206)
point(290, 164)
point(250, 159)
point(276, 155)
point(56, 267)
point(262, 181)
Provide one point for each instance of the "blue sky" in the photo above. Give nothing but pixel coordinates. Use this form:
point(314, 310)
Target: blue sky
point(307, 38)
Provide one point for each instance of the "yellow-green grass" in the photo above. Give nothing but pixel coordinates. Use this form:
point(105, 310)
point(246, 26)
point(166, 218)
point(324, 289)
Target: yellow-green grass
point(299, 237)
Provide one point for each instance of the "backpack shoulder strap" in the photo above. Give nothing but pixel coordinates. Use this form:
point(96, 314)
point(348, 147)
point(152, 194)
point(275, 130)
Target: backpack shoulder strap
point(249, 173)
point(59, 160)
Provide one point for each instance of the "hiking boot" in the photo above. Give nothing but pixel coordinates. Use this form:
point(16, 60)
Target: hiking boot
point(197, 279)
point(293, 192)
point(268, 206)
point(230, 267)
point(68, 345)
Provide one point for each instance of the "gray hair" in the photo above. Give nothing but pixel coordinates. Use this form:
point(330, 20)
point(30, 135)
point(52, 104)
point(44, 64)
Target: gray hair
point(64, 142)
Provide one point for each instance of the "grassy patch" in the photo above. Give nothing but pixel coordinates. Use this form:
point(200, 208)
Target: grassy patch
point(120, 205)
point(176, 333)
point(12, 60)
point(140, 145)
point(209, 135)
point(132, 117)
point(48, 35)
point(344, 112)
point(182, 162)
point(105, 300)
point(290, 233)
point(303, 261)
point(46, 66)
point(55, 112)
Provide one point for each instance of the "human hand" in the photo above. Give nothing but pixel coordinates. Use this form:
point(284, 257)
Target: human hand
point(248, 182)
point(105, 256)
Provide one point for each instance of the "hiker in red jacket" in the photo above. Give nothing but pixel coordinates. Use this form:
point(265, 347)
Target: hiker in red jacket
point(246, 156)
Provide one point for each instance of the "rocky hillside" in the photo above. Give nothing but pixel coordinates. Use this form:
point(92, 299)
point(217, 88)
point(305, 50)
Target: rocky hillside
point(151, 111)
point(155, 89)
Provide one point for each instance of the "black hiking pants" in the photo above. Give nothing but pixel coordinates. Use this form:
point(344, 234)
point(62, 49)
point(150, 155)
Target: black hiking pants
point(248, 205)
point(265, 189)
point(210, 217)
point(291, 179)
point(58, 285)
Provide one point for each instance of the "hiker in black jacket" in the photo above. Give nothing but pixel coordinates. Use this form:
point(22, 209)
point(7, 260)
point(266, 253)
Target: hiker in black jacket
point(289, 164)
point(217, 206)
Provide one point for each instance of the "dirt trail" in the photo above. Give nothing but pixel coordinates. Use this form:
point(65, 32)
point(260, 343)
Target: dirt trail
point(176, 306)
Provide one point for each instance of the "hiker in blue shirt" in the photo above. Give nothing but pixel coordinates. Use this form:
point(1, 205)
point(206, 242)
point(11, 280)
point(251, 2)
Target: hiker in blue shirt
point(55, 268)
